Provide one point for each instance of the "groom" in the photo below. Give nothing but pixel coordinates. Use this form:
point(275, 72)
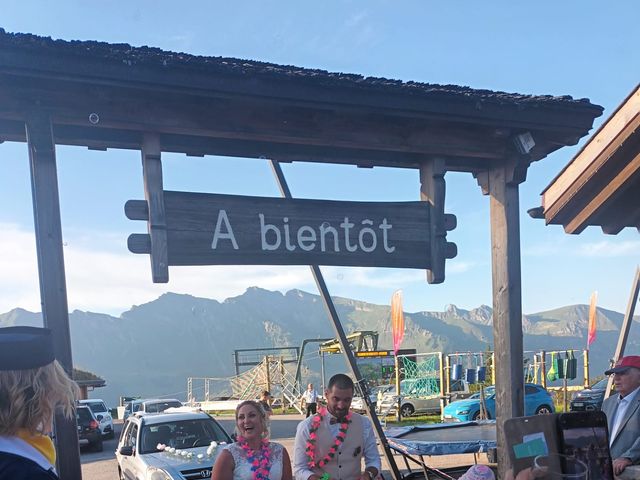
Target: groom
point(332, 443)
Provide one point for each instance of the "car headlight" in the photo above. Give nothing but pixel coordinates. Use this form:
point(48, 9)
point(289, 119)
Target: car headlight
point(154, 473)
point(463, 412)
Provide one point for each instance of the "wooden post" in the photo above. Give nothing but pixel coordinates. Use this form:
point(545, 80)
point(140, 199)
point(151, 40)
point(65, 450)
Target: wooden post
point(154, 195)
point(267, 373)
point(322, 372)
point(493, 368)
point(432, 191)
point(626, 326)
point(396, 364)
point(543, 368)
point(442, 385)
point(447, 374)
point(282, 373)
point(53, 288)
point(501, 183)
point(586, 368)
point(344, 343)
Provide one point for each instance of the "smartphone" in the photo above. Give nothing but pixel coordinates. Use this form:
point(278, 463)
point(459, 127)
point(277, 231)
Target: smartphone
point(529, 437)
point(584, 435)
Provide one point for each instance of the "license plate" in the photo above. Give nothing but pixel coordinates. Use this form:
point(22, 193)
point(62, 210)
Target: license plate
point(578, 404)
point(448, 416)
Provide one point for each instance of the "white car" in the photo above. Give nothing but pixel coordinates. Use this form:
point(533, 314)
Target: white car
point(166, 446)
point(150, 405)
point(102, 414)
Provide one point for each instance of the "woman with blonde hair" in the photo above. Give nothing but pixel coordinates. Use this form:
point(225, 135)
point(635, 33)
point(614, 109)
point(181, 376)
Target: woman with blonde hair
point(32, 385)
point(253, 456)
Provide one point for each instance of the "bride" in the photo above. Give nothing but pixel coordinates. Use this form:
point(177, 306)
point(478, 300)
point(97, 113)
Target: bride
point(253, 456)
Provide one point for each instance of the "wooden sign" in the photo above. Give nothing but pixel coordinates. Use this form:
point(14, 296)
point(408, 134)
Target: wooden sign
point(211, 229)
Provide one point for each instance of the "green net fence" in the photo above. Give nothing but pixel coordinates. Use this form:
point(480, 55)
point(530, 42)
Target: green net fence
point(421, 378)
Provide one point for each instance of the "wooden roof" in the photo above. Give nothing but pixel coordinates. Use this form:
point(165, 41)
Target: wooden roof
point(226, 106)
point(601, 184)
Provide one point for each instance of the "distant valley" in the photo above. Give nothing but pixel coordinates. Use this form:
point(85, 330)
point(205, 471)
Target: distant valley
point(151, 349)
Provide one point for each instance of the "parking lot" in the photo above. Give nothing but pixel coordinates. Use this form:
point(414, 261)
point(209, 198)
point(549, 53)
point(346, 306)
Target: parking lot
point(103, 465)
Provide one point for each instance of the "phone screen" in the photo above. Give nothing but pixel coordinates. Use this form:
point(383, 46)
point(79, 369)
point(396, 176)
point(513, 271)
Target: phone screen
point(529, 437)
point(589, 444)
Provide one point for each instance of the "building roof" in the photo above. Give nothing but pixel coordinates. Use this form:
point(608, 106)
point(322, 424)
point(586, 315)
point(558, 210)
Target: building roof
point(86, 378)
point(600, 186)
point(226, 106)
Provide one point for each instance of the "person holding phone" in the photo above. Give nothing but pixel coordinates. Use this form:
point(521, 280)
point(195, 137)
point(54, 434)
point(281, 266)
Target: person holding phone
point(623, 413)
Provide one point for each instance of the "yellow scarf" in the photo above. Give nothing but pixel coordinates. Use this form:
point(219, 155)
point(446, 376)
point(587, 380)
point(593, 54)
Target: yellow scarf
point(42, 443)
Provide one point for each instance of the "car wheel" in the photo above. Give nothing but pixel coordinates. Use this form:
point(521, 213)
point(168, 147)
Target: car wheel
point(97, 446)
point(543, 410)
point(407, 410)
point(476, 416)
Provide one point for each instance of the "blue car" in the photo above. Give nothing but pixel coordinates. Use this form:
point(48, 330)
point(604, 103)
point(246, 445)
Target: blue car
point(536, 401)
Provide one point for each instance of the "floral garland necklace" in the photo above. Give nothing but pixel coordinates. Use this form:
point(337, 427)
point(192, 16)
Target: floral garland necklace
point(310, 450)
point(260, 465)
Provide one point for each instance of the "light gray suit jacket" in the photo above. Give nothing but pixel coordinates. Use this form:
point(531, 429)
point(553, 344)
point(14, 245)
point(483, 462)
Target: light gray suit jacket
point(627, 439)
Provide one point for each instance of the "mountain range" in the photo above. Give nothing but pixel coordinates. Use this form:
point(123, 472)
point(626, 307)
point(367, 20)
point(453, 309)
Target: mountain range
point(151, 349)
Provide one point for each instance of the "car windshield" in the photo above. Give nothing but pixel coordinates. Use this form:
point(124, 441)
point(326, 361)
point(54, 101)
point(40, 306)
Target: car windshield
point(601, 385)
point(97, 407)
point(488, 392)
point(156, 407)
point(83, 415)
point(181, 434)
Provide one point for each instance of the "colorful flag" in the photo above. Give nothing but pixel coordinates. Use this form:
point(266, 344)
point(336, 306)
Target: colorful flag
point(397, 320)
point(591, 336)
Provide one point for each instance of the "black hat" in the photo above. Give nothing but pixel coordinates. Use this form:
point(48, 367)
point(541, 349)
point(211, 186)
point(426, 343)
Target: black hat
point(24, 348)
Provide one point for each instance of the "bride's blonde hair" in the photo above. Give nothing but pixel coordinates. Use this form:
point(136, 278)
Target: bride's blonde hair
point(28, 398)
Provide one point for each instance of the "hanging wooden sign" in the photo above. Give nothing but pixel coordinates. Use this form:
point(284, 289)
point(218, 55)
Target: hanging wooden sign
point(211, 229)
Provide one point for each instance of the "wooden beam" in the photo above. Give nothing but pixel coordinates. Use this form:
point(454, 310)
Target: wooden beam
point(291, 85)
point(625, 212)
point(344, 342)
point(621, 182)
point(596, 153)
point(507, 300)
point(53, 289)
point(432, 191)
point(252, 120)
point(153, 194)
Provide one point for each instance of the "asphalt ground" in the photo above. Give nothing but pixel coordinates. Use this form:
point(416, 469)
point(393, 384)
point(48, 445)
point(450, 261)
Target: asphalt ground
point(103, 465)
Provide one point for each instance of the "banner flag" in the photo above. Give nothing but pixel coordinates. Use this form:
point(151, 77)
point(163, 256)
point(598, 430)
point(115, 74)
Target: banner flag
point(591, 336)
point(397, 320)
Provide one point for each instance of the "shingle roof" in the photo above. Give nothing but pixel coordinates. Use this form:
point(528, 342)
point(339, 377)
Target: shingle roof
point(122, 53)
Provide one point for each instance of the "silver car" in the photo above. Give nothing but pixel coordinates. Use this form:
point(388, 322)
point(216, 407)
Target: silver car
point(102, 414)
point(165, 446)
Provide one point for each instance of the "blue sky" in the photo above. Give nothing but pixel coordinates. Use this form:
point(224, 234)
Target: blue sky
point(576, 48)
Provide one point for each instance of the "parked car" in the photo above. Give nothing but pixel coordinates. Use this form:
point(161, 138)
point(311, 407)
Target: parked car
point(102, 413)
point(150, 405)
point(411, 400)
point(537, 400)
point(89, 433)
point(589, 399)
point(357, 404)
point(186, 432)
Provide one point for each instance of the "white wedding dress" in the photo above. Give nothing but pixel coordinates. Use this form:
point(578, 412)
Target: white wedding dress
point(242, 469)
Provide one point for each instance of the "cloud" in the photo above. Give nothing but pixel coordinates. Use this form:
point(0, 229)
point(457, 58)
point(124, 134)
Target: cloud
point(102, 276)
point(609, 248)
point(108, 281)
